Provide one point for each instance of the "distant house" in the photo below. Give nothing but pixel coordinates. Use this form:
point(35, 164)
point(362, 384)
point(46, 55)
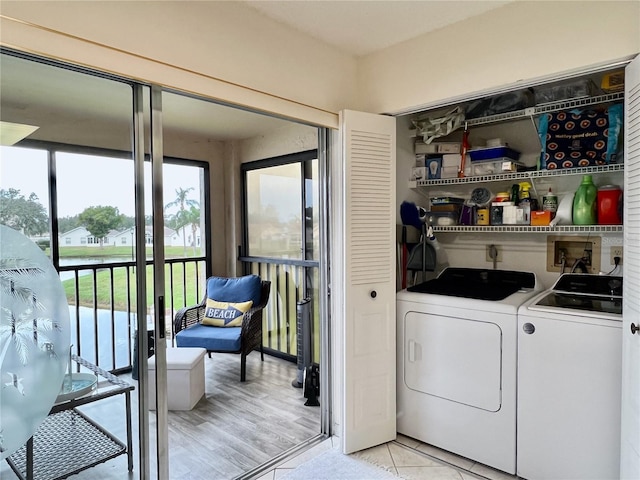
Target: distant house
point(176, 238)
point(125, 237)
point(80, 237)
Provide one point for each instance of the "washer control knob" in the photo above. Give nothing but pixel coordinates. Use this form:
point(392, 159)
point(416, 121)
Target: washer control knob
point(529, 328)
point(634, 328)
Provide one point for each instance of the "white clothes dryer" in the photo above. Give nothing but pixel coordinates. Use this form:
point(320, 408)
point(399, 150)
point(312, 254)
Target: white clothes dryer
point(457, 351)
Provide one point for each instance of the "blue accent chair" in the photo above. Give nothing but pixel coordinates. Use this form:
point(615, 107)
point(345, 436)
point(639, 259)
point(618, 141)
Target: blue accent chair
point(190, 332)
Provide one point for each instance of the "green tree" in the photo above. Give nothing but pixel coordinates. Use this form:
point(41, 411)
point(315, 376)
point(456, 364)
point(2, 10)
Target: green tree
point(128, 222)
point(100, 220)
point(181, 219)
point(193, 217)
point(27, 215)
point(68, 223)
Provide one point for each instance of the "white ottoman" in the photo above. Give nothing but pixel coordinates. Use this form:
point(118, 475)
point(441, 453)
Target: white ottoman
point(185, 378)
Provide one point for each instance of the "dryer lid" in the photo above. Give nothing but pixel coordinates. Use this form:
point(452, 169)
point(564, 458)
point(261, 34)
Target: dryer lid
point(477, 283)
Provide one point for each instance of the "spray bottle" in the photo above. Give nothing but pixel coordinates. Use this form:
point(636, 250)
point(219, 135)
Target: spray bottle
point(525, 202)
point(442, 260)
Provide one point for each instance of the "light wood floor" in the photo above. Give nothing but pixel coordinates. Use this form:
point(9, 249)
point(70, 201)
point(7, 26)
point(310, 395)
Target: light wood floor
point(235, 428)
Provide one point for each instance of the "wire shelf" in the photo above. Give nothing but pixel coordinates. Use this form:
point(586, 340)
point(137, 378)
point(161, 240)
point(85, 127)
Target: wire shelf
point(546, 108)
point(518, 175)
point(530, 229)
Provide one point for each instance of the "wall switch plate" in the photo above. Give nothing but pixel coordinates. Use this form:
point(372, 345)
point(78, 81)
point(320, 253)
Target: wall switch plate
point(616, 252)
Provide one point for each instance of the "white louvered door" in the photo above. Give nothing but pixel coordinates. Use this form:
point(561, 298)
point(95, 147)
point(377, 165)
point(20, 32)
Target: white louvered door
point(630, 442)
point(369, 354)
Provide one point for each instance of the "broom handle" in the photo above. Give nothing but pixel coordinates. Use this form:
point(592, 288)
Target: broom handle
point(404, 257)
point(463, 150)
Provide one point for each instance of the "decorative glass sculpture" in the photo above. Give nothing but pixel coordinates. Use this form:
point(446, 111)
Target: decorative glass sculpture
point(34, 338)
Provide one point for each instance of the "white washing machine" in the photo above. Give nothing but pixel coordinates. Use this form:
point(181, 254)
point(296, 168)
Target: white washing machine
point(569, 380)
point(457, 347)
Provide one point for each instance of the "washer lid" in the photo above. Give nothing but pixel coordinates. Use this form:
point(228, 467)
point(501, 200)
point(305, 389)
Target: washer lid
point(584, 294)
point(586, 284)
point(580, 302)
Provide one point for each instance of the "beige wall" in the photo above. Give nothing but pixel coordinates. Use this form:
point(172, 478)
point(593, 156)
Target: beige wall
point(292, 138)
point(520, 41)
point(227, 51)
point(224, 50)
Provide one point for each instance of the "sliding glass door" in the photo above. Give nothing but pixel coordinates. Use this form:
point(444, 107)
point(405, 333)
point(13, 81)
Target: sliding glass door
point(135, 194)
point(74, 182)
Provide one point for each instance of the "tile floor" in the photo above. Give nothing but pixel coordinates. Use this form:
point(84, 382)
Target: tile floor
point(407, 458)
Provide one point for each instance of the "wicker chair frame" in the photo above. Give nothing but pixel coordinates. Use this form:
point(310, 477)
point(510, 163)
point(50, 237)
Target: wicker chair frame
point(250, 335)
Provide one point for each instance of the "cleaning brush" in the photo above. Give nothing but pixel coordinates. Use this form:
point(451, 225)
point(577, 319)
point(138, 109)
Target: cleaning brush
point(412, 215)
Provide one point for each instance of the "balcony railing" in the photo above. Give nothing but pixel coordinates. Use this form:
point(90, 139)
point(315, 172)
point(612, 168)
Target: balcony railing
point(291, 282)
point(103, 307)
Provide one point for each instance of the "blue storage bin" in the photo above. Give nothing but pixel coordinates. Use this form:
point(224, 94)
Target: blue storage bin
point(488, 153)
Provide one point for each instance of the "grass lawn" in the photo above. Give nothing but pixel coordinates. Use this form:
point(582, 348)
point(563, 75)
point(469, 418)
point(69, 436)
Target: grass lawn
point(122, 253)
point(124, 290)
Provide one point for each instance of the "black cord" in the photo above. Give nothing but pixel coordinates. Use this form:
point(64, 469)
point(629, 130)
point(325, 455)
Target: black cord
point(585, 255)
point(616, 261)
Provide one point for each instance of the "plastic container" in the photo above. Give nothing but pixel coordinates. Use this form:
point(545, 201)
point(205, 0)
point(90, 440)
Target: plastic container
point(495, 166)
point(573, 89)
point(446, 200)
point(609, 205)
point(613, 82)
point(489, 153)
point(585, 202)
point(503, 196)
point(442, 218)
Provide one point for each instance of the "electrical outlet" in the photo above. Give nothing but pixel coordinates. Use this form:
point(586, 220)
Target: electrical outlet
point(498, 253)
point(616, 252)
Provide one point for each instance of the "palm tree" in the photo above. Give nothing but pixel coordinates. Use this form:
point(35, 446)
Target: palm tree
point(181, 218)
point(193, 217)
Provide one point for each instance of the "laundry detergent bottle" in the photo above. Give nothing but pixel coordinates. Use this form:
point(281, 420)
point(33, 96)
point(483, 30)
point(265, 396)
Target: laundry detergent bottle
point(585, 202)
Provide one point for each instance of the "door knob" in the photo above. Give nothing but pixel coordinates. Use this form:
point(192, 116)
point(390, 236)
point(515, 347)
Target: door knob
point(528, 328)
point(634, 328)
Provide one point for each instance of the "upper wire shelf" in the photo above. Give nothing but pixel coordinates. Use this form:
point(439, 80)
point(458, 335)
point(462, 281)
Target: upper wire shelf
point(520, 175)
point(538, 110)
point(546, 108)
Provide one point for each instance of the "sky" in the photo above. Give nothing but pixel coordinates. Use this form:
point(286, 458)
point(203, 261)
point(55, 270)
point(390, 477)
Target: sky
point(85, 181)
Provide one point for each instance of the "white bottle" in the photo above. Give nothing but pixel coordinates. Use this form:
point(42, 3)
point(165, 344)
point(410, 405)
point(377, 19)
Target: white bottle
point(550, 203)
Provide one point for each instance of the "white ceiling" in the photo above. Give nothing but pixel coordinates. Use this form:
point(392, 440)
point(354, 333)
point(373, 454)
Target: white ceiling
point(360, 27)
